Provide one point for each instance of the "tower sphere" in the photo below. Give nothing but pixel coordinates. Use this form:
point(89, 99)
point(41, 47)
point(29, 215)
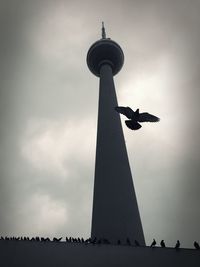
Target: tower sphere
point(105, 51)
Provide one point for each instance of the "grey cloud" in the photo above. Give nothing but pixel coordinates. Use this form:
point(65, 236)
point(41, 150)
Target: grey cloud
point(44, 77)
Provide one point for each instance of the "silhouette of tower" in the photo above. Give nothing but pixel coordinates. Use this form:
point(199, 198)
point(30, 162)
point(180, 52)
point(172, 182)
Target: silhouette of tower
point(115, 210)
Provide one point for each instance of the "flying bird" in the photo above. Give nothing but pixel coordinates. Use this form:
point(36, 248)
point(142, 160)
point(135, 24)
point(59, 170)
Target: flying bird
point(135, 117)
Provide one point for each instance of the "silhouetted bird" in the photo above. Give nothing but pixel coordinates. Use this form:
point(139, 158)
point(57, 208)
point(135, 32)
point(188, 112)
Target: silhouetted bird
point(82, 240)
point(136, 117)
point(43, 239)
point(118, 242)
point(106, 241)
point(196, 245)
point(153, 243)
point(93, 241)
point(162, 243)
point(137, 243)
point(99, 241)
point(128, 241)
point(57, 239)
point(177, 246)
point(87, 241)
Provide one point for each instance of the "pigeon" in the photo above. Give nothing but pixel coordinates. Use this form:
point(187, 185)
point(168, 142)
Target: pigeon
point(177, 246)
point(137, 243)
point(162, 243)
point(196, 245)
point(94, 241)
point(135, 117)
point(99, 241)
point(128, 242)
point(106, 241)
point(153, 243)
point(57, 239)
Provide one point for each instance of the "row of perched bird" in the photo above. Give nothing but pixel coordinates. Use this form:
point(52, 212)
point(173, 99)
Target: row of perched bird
point(93, 241)
point(177, 246)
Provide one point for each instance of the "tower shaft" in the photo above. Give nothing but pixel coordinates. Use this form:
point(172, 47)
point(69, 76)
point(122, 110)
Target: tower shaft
point(115, 210)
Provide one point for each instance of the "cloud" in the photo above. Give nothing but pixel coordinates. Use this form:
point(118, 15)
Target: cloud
point(50, 146)
point(47, 215)
point(48, 112)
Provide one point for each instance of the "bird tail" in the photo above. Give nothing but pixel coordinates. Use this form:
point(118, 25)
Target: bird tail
point(133, 125)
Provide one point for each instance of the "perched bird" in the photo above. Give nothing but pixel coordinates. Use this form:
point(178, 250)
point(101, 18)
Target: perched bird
point(87, 241)
point(99, 241)
point(135, 117)
point(177, 246)
point(94, 241)
point(153, 243)
point(128, 242)
point(162, 243)
point(106, 241)
point(57, 239)
point(118, 242)
point(196, 245)
point(137, 243)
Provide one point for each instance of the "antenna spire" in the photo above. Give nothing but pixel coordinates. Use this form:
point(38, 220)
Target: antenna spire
point(103, 32)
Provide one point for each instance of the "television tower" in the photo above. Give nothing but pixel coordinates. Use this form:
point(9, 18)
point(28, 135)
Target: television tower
point(115, 210)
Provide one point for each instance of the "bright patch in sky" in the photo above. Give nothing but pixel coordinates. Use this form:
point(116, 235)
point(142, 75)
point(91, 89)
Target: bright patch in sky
point(47, 215)
point(50, 145)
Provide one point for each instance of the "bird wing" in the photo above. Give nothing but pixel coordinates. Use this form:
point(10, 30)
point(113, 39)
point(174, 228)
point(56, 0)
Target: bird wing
point(133, 125)
point(146, 117)
point(128, 112)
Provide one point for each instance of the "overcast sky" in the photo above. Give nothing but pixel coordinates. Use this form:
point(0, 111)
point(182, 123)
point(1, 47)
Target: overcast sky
point(49, 105)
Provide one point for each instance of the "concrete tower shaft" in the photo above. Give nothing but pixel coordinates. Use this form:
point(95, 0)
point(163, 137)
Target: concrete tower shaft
point(115, 210)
